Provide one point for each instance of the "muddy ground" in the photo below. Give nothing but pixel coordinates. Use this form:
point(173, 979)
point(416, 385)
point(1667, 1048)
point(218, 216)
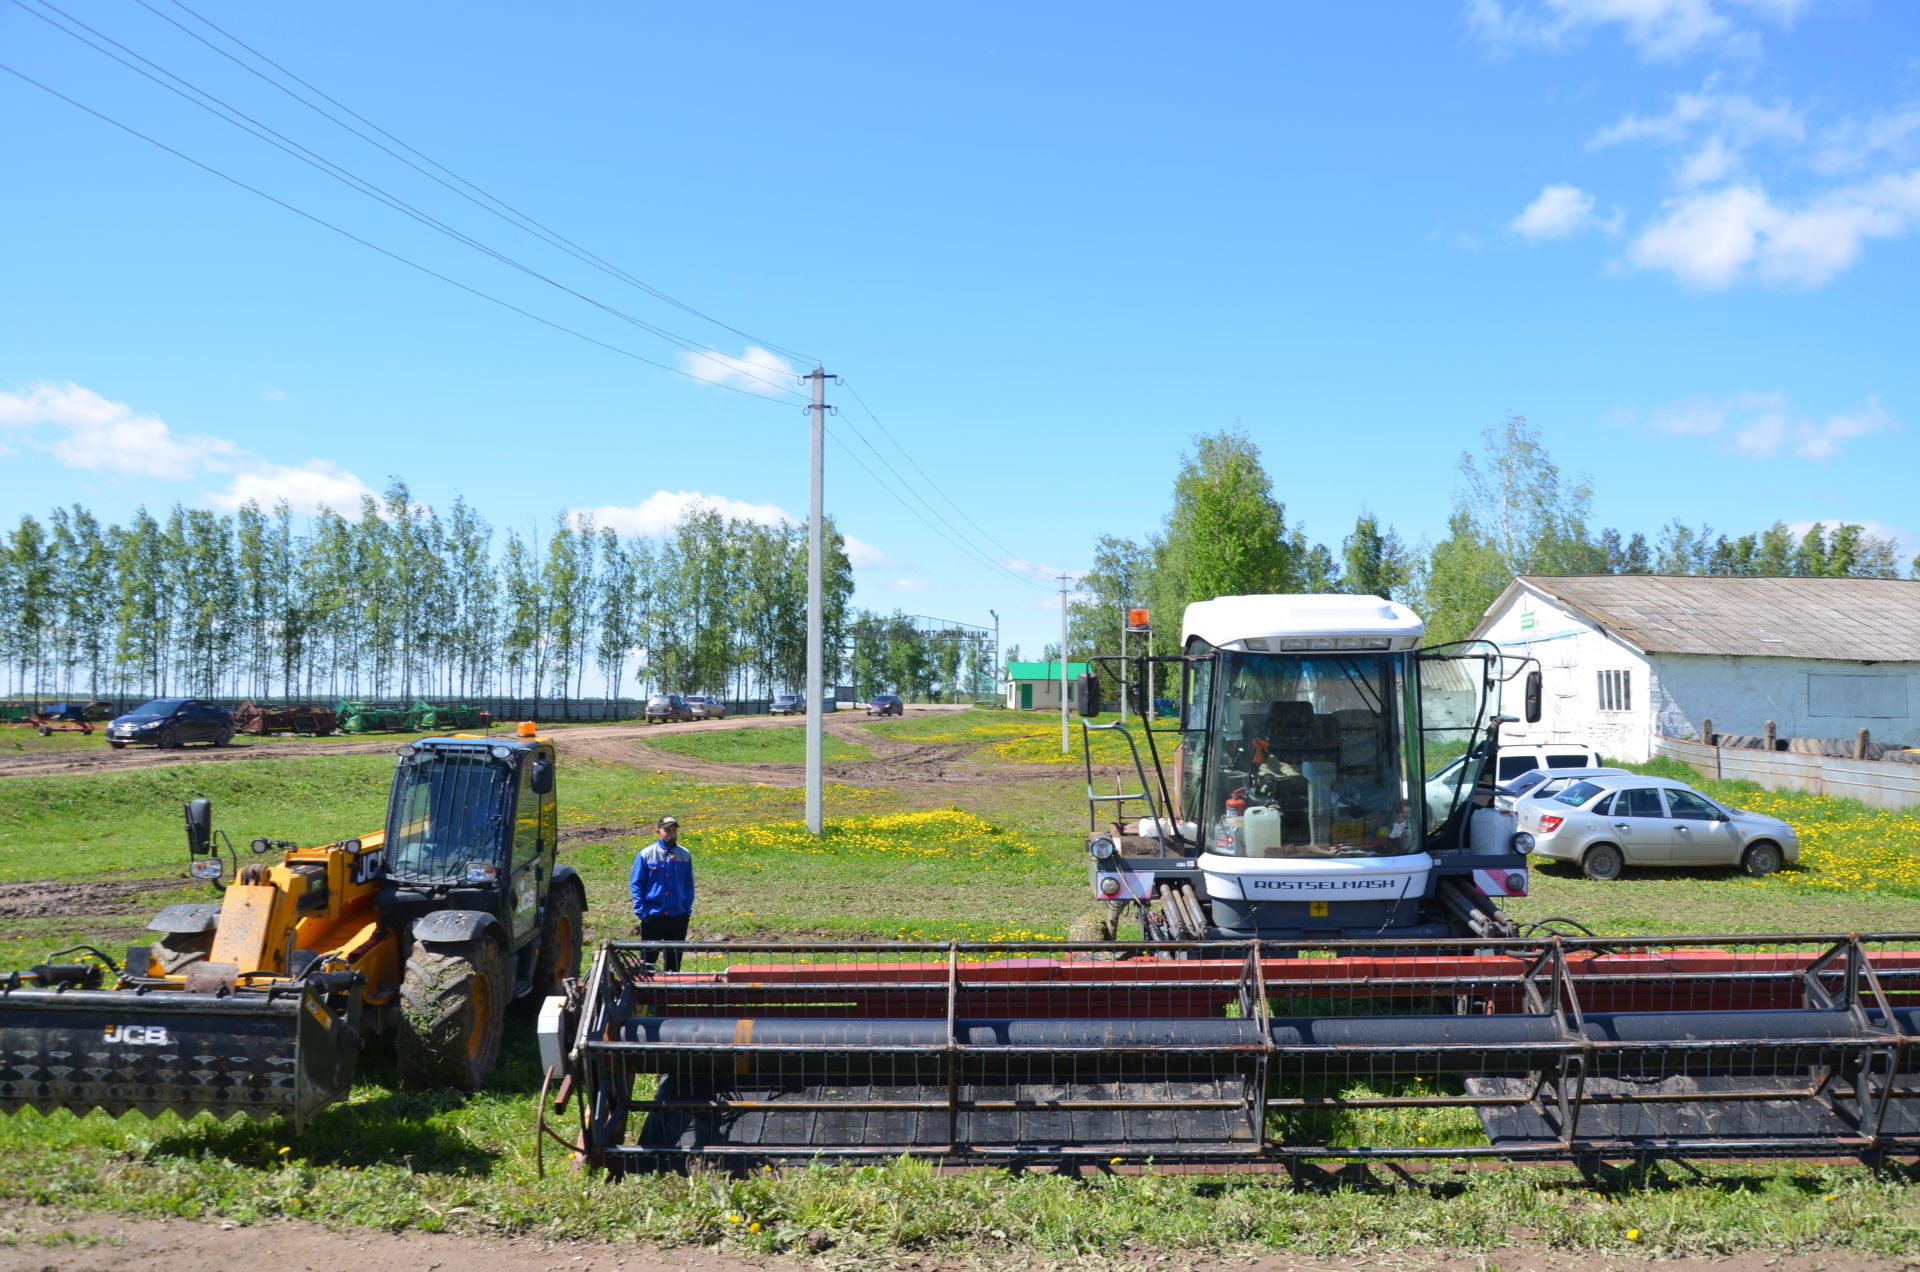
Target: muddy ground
point(41, 1240)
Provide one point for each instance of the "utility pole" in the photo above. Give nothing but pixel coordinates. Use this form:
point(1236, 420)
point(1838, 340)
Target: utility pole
point(1064, 749)
point(816, 602)
point(1123, 663)
point(996, 651)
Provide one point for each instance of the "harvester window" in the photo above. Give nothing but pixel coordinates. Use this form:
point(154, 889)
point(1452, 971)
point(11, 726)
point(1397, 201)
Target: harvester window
point(1309, 758)
point(448, 809)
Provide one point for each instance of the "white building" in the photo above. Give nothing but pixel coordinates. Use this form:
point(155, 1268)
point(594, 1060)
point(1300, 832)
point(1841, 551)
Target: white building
point(1629, 657)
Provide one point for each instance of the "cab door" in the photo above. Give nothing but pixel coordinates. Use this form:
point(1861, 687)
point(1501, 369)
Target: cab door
point(523, 884)
point(1638, 822)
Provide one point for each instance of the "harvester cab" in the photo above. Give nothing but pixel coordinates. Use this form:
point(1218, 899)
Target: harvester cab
point(1331, 779)
point(423, 931)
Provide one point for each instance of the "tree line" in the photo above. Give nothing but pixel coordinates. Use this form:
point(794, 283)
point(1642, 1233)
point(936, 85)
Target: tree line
point(1515, 513)
point(404, 601)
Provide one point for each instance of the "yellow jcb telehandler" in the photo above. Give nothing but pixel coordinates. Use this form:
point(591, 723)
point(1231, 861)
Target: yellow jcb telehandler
point(425, 930)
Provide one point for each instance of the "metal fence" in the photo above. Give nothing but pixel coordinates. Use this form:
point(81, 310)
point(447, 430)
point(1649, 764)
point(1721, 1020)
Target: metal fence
point(1239, 1052)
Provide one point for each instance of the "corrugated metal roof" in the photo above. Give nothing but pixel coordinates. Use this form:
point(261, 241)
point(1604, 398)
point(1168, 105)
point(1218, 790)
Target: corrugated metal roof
point(1849, 620)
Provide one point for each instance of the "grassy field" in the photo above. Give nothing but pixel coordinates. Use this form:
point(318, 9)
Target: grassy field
point(1020, 737)
point(755, 746)
point(1001, 859)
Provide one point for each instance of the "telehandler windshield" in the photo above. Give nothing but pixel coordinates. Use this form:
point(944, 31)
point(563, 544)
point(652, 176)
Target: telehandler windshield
point(1308, 756)
point(448, 809)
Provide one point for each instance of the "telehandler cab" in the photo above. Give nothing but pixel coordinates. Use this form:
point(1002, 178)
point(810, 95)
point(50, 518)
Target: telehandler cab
point(423, 931)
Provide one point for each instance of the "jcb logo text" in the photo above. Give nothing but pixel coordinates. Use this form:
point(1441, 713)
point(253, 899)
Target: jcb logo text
point(138, 1035)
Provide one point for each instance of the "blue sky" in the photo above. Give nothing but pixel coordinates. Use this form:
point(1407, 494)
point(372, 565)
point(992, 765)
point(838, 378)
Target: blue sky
point(1041, 242)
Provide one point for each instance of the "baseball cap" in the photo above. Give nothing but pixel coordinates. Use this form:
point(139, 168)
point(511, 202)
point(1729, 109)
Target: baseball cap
point(669, 821)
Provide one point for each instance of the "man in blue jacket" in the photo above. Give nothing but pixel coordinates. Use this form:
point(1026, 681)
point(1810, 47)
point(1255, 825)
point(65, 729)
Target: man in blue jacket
point(662, 887)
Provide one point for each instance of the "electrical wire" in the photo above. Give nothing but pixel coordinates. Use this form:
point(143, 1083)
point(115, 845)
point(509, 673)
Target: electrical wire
point(375, 247)
point(502, 209)
point(907, 455)
point(360, 185)
point(974, 549)
point(964, 548)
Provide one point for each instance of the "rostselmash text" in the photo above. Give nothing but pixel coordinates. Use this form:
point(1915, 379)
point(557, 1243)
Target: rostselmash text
point(1323, 885)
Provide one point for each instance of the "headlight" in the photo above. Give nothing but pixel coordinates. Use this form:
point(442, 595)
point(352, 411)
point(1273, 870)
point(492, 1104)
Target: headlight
point(1110, 886)
point(1102, 848)
point(482, 872)
point(205, 868)
point(502, 752)
point(1523, 842)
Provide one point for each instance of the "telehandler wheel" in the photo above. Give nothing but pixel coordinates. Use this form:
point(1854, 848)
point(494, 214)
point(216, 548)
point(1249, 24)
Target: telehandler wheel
point(177, 951)
point(453, 1004)
point(561, 939)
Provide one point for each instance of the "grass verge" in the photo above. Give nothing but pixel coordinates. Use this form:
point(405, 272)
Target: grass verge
point(755, 746)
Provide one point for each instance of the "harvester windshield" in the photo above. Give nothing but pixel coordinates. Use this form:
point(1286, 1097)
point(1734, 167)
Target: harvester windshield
point(1304, 755)
point(448, 809)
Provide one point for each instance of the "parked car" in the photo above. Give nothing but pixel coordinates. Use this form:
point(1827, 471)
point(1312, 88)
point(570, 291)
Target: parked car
point(706, 707)
point(665, 708)
point(788, 704)
point(171, 722)
point(886, 704)
point(1541, 783)
point(1525, 757)
point(1604, 824)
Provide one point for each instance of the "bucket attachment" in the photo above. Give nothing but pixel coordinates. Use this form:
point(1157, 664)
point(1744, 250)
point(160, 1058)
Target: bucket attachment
point(1241, 1052)
point(288, 1050)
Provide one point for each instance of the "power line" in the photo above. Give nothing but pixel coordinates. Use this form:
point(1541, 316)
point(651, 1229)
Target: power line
point(908, 456)
point(965, 549)
point(502, 209)
point(361, 185)
point(375, 247)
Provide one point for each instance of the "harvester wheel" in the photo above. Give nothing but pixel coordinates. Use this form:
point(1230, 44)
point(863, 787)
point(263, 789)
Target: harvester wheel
point(1604, 863)
point(45, 732)
point(453, 1002)
point(561, 938)
point(1762, 858)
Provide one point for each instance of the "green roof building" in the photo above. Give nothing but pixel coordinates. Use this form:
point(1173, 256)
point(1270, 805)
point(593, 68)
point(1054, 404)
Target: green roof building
point(1035, 686)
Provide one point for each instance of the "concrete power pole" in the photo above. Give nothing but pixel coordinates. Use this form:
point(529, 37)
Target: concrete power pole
point(1064, 748)
point(996, 651)
point(816, 602)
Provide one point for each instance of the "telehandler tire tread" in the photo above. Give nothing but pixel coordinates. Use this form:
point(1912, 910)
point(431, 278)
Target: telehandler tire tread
point(562, 938)
point(453, 1001)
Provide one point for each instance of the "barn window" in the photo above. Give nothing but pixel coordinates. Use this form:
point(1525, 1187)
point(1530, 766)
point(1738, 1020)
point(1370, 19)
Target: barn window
point(1616, 691)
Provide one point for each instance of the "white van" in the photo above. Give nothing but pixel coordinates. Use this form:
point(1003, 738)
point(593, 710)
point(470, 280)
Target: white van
point(1524, 757)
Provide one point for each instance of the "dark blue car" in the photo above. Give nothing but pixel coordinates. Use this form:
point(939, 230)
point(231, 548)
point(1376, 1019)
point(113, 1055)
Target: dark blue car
point(171, 722)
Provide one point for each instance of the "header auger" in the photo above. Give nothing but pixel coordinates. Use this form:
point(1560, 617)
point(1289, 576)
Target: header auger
point(1324, 971)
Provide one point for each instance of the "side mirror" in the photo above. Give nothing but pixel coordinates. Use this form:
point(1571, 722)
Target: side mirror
point(1533, 697)
point(542, 777)
point(1086, 694)
point(200, 827)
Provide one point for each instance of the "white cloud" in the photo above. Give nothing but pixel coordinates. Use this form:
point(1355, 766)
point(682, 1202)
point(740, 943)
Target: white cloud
point(1714, 128)
point(1906, 543)
point(1850, 145)
point(1660, 29)
point(1719, 237)
point(655, 516)
point(305, 488)
point(864, 556)
point(913, 585)
point(757, 372)
point(103, 436)
point(1761, 425)
point(276, 395)
point(84, 430)
point(1559, 211)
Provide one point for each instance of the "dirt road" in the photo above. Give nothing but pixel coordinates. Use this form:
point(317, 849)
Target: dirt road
point(38, 1239)
point(621, 743)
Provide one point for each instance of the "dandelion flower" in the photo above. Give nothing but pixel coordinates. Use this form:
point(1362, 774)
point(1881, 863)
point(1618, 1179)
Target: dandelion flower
point(1633, 1234)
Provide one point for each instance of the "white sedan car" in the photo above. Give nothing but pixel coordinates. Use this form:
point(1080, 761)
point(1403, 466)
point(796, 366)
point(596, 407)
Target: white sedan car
point(1605, 824)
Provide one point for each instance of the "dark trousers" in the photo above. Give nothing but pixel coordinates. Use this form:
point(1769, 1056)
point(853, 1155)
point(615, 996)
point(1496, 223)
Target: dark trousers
point(664, 927)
